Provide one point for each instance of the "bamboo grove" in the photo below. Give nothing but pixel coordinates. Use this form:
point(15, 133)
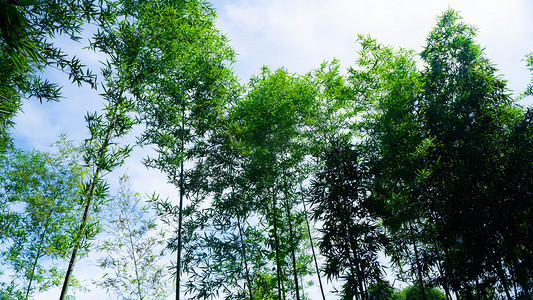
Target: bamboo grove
point(413, 165)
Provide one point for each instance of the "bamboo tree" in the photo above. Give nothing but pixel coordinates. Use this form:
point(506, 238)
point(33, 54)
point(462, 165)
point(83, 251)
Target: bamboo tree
point(243, 244)
point(465, 110)
point(180, 208)
point(133, 248)
point(246, 269)
point(102, 155)
point(317, 269)
point(279, 277)
point(46, 185)
point(179, 79)
point(292, 248)
point(269, 121)
point(337, 107)
point(226, 251)
point(429, 134)
point(388, 83)
point(418, 264)
point(351, 237)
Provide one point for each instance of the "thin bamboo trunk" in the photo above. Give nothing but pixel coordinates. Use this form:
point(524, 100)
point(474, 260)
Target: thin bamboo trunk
point(503, 279)
point(79, 237)
point(88, 202)
point(135, 264)
point(243, 250)
point(291, 237)
point(419, 268)
point(243, 247)
point(276, 246)
point(313, 251)
point(35, 263)
point(180, 214)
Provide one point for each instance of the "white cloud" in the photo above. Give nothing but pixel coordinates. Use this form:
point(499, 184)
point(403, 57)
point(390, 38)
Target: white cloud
point(33, 127)
point(300, 34)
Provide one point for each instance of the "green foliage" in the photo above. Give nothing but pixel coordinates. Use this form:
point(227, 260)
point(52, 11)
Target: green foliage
point(192, 78)
point(40, 211)
point(225, 250)
point(269, 125)
point(336, 106)
point(177, 70)
point(428, 135)
point(382, 290)
point(264, 287)
point(400, 188)
point(101, 151)
point(430, 167)
point(132, 249)
point(529, 64)
point(388, 84)
point(27, 30)
point(466, 112)
point(351, 237)
point(413, 292)
point(273, 114)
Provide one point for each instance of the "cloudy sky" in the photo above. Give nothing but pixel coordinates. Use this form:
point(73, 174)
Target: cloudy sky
point(297, 35)
point(300, 34)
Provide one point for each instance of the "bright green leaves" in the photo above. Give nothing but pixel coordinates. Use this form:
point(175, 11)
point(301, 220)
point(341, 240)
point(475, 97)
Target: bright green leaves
point(276, 103)
point(270, 120)
point(101, 152)
point(179, 75)
point(389, 83)
point(40, 211)
point(336, 107)
point(191, 58)
point(184, 76)
point(529, 63)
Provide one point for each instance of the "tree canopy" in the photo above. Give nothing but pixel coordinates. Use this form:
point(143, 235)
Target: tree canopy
point(411, 166)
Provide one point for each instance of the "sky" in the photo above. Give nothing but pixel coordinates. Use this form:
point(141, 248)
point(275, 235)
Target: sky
point(297, 35)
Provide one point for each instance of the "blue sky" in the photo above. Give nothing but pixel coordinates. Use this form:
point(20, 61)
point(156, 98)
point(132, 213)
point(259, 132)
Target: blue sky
point(298, 35)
